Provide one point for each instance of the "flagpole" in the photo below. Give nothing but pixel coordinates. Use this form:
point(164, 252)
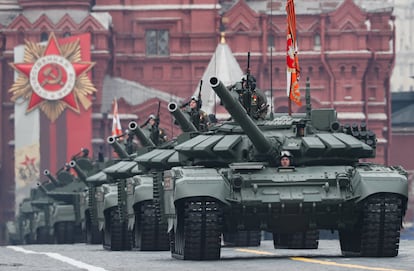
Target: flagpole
point(290, 101)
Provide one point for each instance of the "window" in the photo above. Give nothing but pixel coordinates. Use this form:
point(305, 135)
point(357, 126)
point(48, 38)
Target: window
point(270, 42)
point(317, 42)
point(157, 42)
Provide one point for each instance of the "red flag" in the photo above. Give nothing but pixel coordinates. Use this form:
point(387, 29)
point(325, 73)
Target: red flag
point(116, 123)
point(292, 62)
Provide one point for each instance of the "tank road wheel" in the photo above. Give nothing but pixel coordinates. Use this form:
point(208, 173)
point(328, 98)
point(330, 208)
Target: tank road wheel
point(42, 236)
point(93, 236)
point(59, 234)
point(149, 233)
point(299, 240)
point(69, 232)
point(116, 235)
point(198, 232)
point(380, 225)
point(242, 238)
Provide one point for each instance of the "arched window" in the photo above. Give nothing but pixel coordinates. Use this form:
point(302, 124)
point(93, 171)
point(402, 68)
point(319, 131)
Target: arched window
point(354, 70)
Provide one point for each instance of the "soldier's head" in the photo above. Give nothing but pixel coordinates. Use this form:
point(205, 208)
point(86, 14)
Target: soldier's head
point(285, 159)
point(193, 102)
point(151, 119)
point(248, 81)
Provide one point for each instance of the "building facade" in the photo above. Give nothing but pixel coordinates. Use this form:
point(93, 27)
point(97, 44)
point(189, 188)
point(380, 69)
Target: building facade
point(154, 52)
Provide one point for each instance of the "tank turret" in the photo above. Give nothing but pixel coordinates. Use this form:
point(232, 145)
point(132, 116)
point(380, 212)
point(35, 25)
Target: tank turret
point(238, 112)
point(46, 172)
point(184, 122)
point(113, 141)
point(137, 131)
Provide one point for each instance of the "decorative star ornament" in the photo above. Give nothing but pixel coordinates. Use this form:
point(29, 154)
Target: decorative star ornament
point(53, 77)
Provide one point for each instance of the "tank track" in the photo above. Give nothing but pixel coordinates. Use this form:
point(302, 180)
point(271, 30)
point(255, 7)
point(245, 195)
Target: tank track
point(198, 232)
point(42, 235)
point(92, 234)
point(299, 240)
point(149, 233)
point(64, 233)
point(116, 236)
point(242, 239)
point(377, 234)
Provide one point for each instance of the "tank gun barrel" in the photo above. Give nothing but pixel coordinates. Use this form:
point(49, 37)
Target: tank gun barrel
point(81, 174)
point(184, 122)
point(238, 112)
point(46, 172)
point(137, 131)
point(122, 153)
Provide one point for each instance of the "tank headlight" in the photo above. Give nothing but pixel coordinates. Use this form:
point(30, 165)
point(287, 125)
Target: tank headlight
point(343, 181)
point(237, 182)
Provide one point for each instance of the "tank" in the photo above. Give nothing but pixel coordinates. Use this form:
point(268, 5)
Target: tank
point(115, 219)
point(30, 223)
point(131, 206)
point(244, 188)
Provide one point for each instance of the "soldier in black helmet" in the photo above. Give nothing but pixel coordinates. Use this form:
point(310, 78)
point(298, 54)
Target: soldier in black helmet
point(252, 98)
point(197, 116)
point(152, 125)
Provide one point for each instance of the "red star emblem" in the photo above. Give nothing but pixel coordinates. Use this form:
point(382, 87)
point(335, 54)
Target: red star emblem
point(28, 161)
point(52, 77)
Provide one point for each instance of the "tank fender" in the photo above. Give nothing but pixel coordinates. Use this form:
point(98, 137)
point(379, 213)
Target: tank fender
point(110, 200)
point(143, 191)
point(379, 179)
point(201, 182)
point(188, 182)
point(62, 213)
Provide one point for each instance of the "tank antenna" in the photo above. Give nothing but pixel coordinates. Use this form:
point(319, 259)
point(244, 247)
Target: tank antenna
point(308, 99)
point(271, 65)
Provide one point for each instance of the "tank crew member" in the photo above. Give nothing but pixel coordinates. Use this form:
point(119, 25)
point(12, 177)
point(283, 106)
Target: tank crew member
point(152, 124)
point(197, 116)
point(285, 159)
point(252, 98)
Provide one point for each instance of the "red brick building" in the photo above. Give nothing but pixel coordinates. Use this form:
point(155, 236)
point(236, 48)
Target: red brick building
point(148, 51)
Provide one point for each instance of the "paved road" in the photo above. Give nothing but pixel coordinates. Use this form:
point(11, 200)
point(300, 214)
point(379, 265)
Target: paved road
point(265, 257)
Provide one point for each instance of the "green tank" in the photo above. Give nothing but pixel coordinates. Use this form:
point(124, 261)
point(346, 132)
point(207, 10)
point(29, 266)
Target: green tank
point(245, 188)
point(63, 214)
point(131, 219)
point(131, 207)
point(112, 205)
point(30, 223)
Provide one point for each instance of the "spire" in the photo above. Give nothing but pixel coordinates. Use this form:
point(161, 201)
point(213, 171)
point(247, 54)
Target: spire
point(222, 37)
point(223, 65)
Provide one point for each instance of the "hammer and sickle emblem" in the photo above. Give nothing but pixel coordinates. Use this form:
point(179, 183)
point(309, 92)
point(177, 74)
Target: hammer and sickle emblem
point(53, 75)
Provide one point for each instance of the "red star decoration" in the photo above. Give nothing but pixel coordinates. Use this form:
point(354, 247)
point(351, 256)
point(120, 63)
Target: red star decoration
point(52, 48)
point(28, 161)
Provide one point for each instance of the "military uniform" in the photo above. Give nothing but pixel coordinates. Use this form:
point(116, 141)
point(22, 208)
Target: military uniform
point(252, 98)
point(198, 117)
